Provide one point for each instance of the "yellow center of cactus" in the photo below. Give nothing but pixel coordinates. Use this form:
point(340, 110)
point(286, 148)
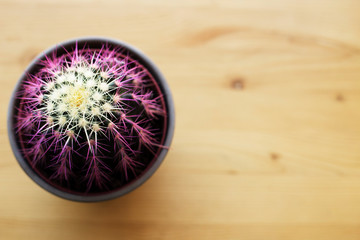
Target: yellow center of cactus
point(77, 97)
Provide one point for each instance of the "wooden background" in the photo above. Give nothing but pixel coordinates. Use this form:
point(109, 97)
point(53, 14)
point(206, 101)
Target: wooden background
point(267, 96)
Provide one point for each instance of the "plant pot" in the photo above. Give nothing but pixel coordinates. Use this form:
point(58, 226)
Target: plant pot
point(91, 119)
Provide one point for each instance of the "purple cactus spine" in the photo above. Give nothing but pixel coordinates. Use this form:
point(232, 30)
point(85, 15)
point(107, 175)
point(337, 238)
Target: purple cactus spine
point(90, 119)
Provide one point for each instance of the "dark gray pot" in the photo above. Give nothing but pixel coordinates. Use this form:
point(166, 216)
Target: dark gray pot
point(144, 60)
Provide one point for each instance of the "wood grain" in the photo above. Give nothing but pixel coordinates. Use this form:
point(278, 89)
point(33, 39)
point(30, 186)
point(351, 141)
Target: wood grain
point(267, 96)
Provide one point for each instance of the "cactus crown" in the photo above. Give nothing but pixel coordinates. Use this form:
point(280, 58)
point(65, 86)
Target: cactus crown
point(90, 119)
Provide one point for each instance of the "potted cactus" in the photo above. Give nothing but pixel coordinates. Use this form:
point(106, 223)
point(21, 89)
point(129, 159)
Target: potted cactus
point(91, 119)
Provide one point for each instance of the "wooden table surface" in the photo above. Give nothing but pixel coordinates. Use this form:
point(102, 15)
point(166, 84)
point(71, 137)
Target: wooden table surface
point(267, 96)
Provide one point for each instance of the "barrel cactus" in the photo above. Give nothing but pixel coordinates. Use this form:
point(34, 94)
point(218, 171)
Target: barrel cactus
point(89, 119)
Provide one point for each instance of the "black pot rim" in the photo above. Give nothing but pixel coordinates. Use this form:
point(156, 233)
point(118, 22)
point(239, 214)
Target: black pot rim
point(137, 182)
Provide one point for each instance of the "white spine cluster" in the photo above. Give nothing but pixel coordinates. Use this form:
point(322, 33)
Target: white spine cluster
point(79, 98)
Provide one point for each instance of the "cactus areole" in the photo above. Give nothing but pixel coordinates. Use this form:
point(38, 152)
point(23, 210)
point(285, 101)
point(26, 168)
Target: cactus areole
point(91, 119)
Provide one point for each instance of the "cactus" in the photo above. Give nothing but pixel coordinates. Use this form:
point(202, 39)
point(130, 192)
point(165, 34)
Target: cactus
point(90, 120)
